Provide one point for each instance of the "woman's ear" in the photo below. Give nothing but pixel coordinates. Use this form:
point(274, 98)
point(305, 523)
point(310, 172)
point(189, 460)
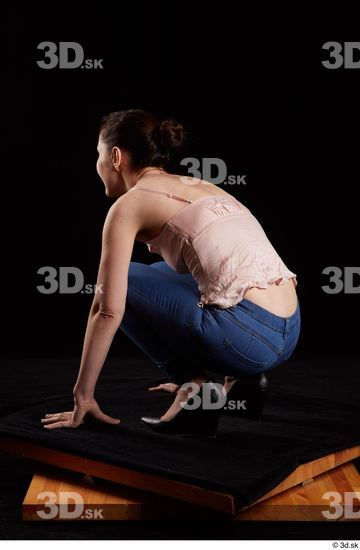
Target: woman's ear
point(116, 158)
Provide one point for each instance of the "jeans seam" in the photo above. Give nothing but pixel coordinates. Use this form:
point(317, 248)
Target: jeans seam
point(230, 346)
point(255, 334)
point(259, 320)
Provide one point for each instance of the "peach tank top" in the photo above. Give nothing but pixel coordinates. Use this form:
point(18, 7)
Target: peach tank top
point(222, 245)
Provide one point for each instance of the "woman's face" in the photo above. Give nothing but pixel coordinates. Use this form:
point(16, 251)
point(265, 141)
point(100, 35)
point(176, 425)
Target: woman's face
point(112, 178)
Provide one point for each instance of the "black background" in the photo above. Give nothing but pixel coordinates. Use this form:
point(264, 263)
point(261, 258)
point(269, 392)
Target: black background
point(251, 89)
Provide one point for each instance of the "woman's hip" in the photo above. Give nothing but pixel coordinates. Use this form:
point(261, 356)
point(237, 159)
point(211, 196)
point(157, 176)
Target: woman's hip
point(247, 337)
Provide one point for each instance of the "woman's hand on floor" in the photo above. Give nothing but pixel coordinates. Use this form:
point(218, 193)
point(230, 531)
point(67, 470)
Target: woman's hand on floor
point(73, 419)
point(169, 387)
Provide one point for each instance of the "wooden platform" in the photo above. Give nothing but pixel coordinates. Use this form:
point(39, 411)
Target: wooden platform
point(134, 495)
point(64, 496)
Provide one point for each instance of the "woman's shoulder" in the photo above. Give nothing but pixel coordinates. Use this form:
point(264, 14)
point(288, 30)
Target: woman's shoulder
point(188, 187)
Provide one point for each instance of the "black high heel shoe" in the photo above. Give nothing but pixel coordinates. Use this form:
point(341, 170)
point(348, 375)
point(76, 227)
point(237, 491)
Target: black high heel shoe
point(246, 397)
point(199, 421)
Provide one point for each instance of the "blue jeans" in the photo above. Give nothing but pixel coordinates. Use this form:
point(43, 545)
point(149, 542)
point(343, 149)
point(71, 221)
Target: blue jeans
point(163, 319)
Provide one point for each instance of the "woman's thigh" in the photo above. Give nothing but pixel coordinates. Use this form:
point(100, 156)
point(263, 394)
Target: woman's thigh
point(164, 298)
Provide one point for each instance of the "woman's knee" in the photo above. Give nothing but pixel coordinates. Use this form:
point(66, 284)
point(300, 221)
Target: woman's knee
point(137, 271)
point(162, 266)
point(139, 279)
point(185, 280)
point(136, 267)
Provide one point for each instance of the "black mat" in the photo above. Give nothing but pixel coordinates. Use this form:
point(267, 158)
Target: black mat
point(312, 410)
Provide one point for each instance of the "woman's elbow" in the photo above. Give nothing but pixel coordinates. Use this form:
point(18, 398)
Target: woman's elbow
point(115, 315)
point(103, 311)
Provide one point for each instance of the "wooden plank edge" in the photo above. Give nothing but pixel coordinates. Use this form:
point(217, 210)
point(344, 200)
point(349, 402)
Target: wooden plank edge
point(194, 494)
point(310, 470)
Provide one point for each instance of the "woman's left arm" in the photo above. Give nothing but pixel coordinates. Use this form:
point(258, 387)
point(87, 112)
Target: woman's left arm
point(108, 307)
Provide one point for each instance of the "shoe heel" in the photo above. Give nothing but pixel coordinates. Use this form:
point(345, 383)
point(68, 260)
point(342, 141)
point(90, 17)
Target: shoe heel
point(252, 392)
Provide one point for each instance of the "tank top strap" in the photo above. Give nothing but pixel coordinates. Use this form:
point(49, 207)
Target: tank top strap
point(170, 195)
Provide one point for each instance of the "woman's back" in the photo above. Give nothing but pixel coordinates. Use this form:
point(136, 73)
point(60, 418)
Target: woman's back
point(180, 186)
point(260, 277)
